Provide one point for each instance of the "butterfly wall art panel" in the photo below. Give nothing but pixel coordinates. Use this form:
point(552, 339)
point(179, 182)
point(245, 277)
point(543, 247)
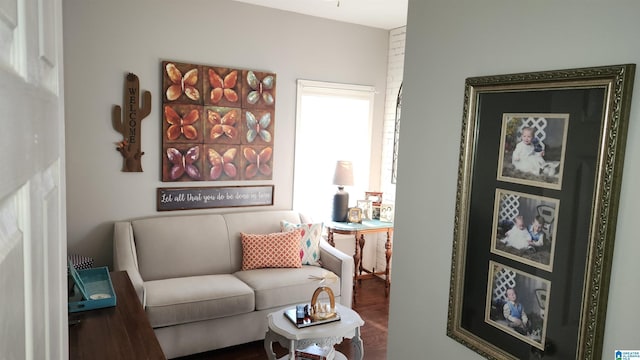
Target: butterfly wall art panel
point(256, 162)
point(182, 162)
point(223, 125)
point(258, 89)
point(182, 123)
point(222, 86)
point(222, 162)
point(217, 122)
point(257, 127)
point(181, 83)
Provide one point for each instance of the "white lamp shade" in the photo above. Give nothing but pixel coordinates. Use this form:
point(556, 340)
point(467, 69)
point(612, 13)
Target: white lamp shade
point(344, 173)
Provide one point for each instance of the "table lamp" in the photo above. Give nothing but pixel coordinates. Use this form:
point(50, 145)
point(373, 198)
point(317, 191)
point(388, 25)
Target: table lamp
point(343, 177)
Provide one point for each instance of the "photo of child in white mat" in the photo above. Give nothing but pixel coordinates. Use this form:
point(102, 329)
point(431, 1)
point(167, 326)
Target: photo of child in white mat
point(524, 228)
point(532, 148)
point(518, 303)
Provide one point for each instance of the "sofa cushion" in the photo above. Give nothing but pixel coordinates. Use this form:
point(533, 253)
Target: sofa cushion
point(195, 298)
point(279, 287)
point(176, 246)
point(275, 250)
point(309, 241)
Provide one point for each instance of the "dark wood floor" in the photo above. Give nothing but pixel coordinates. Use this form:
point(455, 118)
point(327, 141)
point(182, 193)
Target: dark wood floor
point(371, 304)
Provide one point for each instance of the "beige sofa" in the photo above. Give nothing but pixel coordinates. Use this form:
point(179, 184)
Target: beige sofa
point(187, 273)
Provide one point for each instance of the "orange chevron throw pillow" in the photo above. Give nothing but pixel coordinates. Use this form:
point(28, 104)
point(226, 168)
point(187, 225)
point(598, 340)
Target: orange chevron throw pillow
point(276, 250)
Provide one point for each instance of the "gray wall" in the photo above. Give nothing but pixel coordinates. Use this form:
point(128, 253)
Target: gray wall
point(103, 40)
point(448, 41)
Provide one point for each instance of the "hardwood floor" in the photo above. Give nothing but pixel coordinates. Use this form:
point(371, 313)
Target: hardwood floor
point(371, 304)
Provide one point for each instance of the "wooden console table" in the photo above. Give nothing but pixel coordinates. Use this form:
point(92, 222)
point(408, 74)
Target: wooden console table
point(120, 332)
point(359, 230)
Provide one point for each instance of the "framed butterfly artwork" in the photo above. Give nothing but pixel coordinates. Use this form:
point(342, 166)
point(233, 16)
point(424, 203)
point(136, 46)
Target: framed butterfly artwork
point(181, 83)
point(222, 86)
point(257, 127)
point(259, 89)
point(182, 123)
point(183, 163)
point(217, 123)
point(256, 162)
point(222, 125)
point(222, 162)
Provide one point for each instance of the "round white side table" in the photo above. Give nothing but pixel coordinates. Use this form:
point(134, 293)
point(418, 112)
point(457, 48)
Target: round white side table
point(282, 330)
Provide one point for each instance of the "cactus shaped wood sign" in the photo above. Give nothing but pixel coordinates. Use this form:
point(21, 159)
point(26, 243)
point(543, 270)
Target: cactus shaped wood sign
point(127, 120)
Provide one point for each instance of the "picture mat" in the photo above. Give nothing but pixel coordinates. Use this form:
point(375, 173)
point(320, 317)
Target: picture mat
point(579, 183)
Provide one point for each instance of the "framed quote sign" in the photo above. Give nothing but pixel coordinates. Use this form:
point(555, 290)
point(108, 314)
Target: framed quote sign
point(208, 197)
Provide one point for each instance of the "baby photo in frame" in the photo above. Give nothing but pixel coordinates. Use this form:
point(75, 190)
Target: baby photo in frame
point(367, 209)
point(532, 149)
point(375, 212)
point(354, 215)
point(386, 212)
point(518, 303)
point(525, 228)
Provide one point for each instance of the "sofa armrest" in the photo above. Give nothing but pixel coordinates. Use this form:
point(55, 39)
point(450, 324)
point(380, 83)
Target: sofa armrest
point(125, 257)
point(342, 265)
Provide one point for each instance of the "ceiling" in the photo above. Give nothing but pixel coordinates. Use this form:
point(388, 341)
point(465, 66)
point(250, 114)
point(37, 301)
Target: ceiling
point(383, 14)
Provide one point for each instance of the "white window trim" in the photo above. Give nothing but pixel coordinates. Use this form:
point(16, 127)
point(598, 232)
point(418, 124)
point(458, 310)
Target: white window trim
point(333, 89)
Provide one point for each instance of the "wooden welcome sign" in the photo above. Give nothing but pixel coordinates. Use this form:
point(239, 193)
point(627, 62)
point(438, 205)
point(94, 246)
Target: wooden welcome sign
point(128, 121)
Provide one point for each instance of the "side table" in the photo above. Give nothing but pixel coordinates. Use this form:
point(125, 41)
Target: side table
point(359, 230)
point(289, 336)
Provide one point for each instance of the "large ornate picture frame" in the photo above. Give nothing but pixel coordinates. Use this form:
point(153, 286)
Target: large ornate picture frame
point(532, 258)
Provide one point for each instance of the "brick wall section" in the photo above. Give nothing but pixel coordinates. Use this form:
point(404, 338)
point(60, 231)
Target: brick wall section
point(395, 70)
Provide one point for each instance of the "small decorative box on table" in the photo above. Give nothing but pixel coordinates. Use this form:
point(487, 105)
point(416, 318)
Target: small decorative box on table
point(94, 289)
point(316, 313)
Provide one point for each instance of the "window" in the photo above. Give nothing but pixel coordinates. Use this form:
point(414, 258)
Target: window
point(333, 122)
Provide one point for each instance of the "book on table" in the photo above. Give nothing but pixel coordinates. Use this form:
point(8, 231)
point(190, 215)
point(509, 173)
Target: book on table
point(315, 352)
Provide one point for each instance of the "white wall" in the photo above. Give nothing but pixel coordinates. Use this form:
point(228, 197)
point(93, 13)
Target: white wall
point(448, 41)
point(103, 40)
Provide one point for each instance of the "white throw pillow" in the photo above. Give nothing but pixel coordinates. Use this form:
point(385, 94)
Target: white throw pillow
point(309, 241)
